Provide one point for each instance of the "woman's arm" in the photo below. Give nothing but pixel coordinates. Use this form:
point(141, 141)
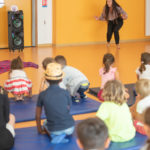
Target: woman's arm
point(102, 17)
point(123, 13)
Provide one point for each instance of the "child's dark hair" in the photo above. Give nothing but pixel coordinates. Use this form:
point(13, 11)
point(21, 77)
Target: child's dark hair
point(52, 82)
point(108, 59)
point(61, 60)
point(16, 63)
point(46, 61)
point(92, 133)
point(145, 59)
point(147, 122)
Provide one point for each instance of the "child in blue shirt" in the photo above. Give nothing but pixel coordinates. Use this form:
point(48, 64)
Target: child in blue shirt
point(56, 102)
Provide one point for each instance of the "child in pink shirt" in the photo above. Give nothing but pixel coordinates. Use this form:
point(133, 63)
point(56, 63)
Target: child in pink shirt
point(108, 72)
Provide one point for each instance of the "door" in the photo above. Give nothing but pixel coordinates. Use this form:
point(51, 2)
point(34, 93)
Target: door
point(44, 19)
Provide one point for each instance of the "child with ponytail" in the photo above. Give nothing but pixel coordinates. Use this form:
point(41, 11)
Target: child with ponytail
point(108, 72)
point(18, 83)
point(143, 72)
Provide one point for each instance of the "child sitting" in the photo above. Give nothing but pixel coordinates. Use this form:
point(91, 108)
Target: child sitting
point(142, 87)
point(56, 101)
point(143, 72)
point(108, 72)
point(92, 134)
point(147, 128)
point(115, 112)
point(7, 122)
point(18, 83)
point(75, 81)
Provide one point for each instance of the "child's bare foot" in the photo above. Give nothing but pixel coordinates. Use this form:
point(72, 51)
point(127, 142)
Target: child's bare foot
point(19, 97)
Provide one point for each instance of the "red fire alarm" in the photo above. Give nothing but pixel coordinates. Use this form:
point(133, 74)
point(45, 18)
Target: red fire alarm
point(44, 3)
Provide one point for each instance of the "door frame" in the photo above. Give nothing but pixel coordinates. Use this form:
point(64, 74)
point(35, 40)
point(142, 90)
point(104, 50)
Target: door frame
point(35, 22)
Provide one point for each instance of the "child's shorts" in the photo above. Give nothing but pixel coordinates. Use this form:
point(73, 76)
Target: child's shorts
point(11, 129)
point(139, 127)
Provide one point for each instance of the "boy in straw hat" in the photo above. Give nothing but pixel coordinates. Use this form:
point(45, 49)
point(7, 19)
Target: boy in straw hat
point(56, 102)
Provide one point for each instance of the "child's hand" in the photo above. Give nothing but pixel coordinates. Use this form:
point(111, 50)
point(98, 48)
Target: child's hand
point(96, 18)
point(42, 131)
point(126, 89)
point(127, 95)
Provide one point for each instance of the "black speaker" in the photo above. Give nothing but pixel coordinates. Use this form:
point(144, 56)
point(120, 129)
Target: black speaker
point(15, 30)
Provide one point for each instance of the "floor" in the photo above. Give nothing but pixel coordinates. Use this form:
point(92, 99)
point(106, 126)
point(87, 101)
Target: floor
point(88, 59)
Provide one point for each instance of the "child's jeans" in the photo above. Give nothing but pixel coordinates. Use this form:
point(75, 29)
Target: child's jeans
point(83, 87)
point(59, 136)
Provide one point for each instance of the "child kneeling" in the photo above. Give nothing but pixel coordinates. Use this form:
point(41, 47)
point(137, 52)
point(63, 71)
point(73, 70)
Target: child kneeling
point(56, 101)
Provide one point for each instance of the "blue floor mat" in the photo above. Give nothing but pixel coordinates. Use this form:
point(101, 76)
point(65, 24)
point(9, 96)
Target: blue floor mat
point(131, 90)
point(25, 110)
point(29, 139)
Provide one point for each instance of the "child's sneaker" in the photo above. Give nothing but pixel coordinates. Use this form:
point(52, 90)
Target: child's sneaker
point(83, 97)
point(56, 139)
point(75, 99)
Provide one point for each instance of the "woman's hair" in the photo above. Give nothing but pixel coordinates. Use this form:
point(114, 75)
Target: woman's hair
point(46, 61)
point(142, 87)
point(145, 59)
point(114, 91)
point(108, 60)
point(147, 122)
point(114, 7)
point(16, 63)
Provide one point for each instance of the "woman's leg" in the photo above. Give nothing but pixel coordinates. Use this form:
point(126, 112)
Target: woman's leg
point(117, 27)
point(109, 32)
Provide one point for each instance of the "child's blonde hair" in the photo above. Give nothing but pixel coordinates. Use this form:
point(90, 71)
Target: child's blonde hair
point(142, 87)
point(114, 91)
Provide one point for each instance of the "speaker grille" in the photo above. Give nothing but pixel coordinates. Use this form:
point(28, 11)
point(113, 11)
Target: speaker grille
point(15, 30)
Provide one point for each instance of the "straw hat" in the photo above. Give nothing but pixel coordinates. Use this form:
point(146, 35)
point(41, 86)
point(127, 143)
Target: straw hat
point(54, 72)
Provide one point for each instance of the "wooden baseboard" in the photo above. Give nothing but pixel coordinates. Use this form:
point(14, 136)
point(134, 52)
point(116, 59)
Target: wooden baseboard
point(102, 42)
point(44, 45)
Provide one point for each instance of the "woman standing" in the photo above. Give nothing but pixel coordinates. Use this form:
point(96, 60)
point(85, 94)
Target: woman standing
point(114, 15)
